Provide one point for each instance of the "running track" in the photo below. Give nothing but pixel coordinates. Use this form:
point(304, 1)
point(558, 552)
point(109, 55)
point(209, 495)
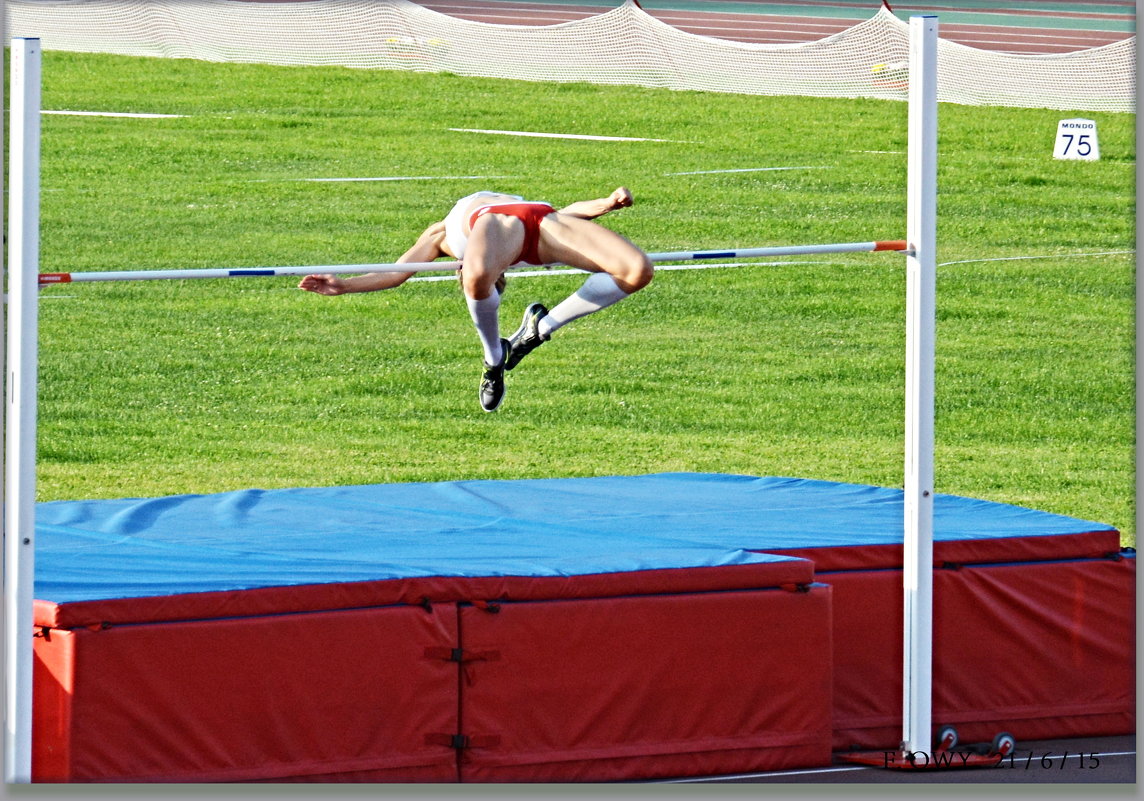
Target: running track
point(1016, 26)
point(1011, 26)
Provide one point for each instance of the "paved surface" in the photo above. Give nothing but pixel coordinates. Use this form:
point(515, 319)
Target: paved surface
point(1093, 760)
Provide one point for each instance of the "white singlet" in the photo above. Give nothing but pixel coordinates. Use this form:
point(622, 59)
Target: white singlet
point(458, 219)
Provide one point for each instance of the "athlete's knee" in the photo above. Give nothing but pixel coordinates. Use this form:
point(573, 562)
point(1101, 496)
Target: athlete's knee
point(636, 271)
point(478, 282)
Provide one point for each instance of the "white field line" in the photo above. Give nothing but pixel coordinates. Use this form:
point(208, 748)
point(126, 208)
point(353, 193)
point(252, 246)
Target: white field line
point(406, 178)
point(809, 771)
point(114, 114)
point(748, 169)
point(589, 137)
point(1046, 256)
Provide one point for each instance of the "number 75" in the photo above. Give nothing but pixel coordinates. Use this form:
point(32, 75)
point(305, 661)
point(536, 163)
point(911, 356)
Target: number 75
point(1083, 145)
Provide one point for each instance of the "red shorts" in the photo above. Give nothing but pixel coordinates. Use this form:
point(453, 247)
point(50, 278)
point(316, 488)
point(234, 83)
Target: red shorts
point(528, 213)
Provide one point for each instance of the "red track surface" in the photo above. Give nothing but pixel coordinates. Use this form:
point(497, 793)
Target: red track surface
point(775, 29)
point(769, 29)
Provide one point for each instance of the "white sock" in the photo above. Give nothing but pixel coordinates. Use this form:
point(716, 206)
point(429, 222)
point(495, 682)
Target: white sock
point(486, 317)
point(598, 292)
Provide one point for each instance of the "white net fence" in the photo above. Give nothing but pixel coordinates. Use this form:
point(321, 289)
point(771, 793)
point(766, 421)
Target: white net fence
point(623, 46)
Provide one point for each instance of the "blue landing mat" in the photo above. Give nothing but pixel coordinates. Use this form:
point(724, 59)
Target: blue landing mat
point(128, 548)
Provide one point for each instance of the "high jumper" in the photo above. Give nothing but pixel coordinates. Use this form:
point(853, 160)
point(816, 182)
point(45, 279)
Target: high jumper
point(490, 232)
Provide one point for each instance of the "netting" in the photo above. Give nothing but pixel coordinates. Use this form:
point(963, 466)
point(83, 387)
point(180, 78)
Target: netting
point(623, 46)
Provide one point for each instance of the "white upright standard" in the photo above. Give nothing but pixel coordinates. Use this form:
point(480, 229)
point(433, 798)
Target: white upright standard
point(20, 416)
point(921, 289)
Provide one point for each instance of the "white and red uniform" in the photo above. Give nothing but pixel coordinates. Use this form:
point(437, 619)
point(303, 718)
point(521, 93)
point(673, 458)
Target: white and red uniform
point(468, 210)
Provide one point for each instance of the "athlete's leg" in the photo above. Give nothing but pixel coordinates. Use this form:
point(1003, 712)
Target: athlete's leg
point(621, 266)
point(582, 243)
point(493, 246)
point(620, 269)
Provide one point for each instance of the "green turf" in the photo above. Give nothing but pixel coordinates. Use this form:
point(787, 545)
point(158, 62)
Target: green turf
point(796, 370)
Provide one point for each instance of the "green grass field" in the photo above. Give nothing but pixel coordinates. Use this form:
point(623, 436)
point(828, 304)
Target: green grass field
point(793, 369)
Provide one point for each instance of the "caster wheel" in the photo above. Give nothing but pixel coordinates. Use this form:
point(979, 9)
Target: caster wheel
point(1003, 744)
point(946, 738)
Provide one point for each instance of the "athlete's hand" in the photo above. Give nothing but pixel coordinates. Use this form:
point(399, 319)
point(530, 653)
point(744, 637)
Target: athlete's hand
point(621, 198)
point(323, 284)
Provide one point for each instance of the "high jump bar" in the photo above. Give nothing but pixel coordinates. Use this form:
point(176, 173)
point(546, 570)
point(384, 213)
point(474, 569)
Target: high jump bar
point(899, 246)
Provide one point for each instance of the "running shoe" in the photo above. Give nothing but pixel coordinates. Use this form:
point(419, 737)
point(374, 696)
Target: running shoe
point(492, 382)
point(528, 337)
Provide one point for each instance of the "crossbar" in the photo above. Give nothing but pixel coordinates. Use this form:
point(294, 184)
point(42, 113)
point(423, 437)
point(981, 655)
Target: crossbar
point(899, 246)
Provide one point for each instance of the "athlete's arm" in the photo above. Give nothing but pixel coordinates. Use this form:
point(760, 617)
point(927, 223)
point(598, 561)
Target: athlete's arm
point(591, 209)
point(429, 246)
